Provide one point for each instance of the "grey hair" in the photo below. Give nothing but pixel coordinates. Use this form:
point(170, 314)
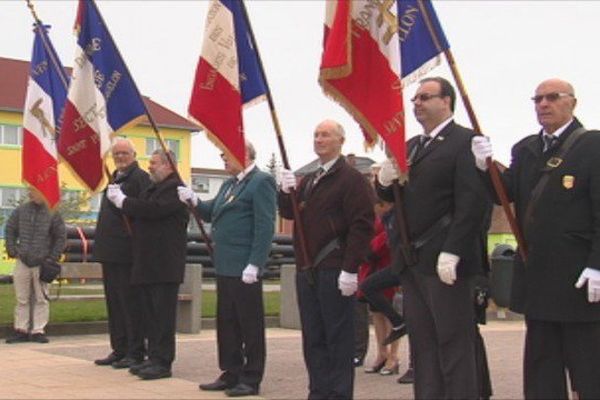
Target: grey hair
point(250, 151)
point(165, 155)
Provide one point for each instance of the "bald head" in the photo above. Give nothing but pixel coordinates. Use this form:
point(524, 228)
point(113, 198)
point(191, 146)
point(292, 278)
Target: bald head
point(328, 139)
point(123, 153)
point(554, 103)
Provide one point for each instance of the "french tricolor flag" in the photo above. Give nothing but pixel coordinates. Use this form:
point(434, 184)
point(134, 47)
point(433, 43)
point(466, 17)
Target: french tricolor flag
point(360, 68)
point(102, 98)
point(228, 76)
point(46, 94)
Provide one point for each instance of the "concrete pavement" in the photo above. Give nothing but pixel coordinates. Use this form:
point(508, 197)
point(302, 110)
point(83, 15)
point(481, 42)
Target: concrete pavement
point(63, 369)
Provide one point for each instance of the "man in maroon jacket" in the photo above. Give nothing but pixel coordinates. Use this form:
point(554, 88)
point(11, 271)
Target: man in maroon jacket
point(336, 208)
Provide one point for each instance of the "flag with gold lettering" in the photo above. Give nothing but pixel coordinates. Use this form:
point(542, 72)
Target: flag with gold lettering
point(46, 94)
point(422, 39)
point(360, 68)
point(102, 98)
point(228, 77)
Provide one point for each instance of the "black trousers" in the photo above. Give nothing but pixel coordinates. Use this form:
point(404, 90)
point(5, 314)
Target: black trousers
point(160, 315)
point(373, 286)
point(124, 306)
point(440, 319)
point(361, 329)
point(554, 348)
point(327, 320)
point(240, 331)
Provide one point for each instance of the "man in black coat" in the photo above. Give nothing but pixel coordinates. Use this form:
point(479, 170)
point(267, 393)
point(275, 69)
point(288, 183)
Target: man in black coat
point(159, 250)
point(560, 220)
point(445, 206)
point(112, 247)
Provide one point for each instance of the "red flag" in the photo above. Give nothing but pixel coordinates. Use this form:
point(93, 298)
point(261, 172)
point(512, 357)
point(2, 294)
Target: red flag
point(360, 69)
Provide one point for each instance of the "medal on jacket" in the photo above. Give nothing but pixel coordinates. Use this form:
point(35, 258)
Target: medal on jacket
point(568, 181)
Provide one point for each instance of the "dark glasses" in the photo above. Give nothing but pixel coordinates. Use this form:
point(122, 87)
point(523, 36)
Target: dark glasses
point(423, 97)
point(551, 97)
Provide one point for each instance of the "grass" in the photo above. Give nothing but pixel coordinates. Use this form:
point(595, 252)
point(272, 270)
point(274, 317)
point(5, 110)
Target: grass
point(95, 310)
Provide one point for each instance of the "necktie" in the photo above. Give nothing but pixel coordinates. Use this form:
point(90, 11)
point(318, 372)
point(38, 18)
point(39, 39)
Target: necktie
point(230, 190)
point(549, 142)
point(311, 184)
point(423, 141)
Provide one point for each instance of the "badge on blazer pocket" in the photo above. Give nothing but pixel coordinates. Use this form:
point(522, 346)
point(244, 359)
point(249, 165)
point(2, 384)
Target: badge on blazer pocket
point(568, 181)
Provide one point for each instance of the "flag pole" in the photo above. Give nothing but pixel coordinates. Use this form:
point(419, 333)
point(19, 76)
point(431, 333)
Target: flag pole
point(158, 135)
point(492, 167)
point(282, 149)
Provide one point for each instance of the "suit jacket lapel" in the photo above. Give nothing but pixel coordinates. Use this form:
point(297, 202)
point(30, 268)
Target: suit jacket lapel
point(434, 143)
point(226, 201)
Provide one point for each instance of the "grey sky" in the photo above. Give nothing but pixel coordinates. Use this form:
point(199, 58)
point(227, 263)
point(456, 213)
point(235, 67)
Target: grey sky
point(503, 50)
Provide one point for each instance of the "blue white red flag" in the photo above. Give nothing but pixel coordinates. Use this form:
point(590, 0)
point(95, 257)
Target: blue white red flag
point(422, 39)
point(46, 94)
point(360, 68)
point(228, 77)
point(102, 98)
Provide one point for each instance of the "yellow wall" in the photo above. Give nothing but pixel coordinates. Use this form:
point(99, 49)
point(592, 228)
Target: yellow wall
point(10, 156)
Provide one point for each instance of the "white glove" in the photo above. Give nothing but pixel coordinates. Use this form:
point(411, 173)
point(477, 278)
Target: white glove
point(481, 146)
point(446, 267)
point(187, 195)
point(250, 274)
point(387, 173)
point(347, 283)
point(287, 180)
point(116, 195)
point(592, 277)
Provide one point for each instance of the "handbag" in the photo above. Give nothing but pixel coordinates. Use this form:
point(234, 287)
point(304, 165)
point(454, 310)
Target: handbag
point(49, 271)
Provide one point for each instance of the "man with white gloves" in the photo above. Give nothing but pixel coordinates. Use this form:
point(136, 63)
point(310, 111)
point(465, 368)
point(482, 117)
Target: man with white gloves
point(243, 222)
point(554, 182)
point(445, 206)
point(336, 209)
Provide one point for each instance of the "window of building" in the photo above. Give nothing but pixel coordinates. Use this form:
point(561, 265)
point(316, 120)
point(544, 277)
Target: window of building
point(200, 184)
point(10, 197)
point(11, 135)
point(153, 144)
point(95, 202)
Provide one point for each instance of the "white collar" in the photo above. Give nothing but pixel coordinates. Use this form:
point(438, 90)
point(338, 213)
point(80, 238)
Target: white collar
point(439, 128)
point(245, 172)
point(327, 166)
point(559, 131)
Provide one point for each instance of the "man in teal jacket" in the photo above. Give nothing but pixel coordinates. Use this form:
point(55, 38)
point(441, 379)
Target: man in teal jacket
point(243, 219)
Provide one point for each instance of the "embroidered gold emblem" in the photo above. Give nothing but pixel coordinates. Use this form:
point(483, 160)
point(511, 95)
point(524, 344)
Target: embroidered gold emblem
point(568, 181)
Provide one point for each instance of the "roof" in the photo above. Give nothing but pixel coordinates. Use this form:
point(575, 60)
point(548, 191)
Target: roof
point(14, 75)
point(362, 164)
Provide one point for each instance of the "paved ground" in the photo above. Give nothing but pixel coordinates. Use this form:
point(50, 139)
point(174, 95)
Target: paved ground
point(63, 369)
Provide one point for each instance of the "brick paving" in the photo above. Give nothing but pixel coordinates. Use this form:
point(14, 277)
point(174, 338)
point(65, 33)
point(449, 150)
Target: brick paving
point(63, 369)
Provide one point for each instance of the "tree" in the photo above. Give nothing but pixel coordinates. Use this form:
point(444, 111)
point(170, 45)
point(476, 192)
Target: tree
point(272, 165)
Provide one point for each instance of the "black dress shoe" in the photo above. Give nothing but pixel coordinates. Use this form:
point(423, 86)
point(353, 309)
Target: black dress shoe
point(357, 361)
point(108, 360)
point(241, 389)
point(219, 384)
point(155, 372)
point(397, 333)
point(136, 368)
point(125, 362)
point(18, 337)
point(408, 377)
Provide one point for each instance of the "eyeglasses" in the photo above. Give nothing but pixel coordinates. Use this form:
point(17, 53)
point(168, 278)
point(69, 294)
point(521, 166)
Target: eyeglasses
point(423, 97)
point(551, 97)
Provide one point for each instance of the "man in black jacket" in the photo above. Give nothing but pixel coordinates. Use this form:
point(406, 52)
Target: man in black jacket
point(445, 206)
point(560, 220)
point(112, 247)
point(159, 250)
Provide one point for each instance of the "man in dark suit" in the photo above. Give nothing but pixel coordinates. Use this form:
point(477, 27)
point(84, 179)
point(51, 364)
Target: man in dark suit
point(159, 250)
point(243, 222)
point(560, 219)
point(445, 208)
point(112, 247)
point(336, 207)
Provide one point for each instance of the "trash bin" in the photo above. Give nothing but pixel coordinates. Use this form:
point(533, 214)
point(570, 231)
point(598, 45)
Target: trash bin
point(501, 274)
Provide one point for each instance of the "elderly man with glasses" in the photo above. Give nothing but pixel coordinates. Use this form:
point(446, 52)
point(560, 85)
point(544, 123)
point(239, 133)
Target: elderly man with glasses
point(554, 181)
